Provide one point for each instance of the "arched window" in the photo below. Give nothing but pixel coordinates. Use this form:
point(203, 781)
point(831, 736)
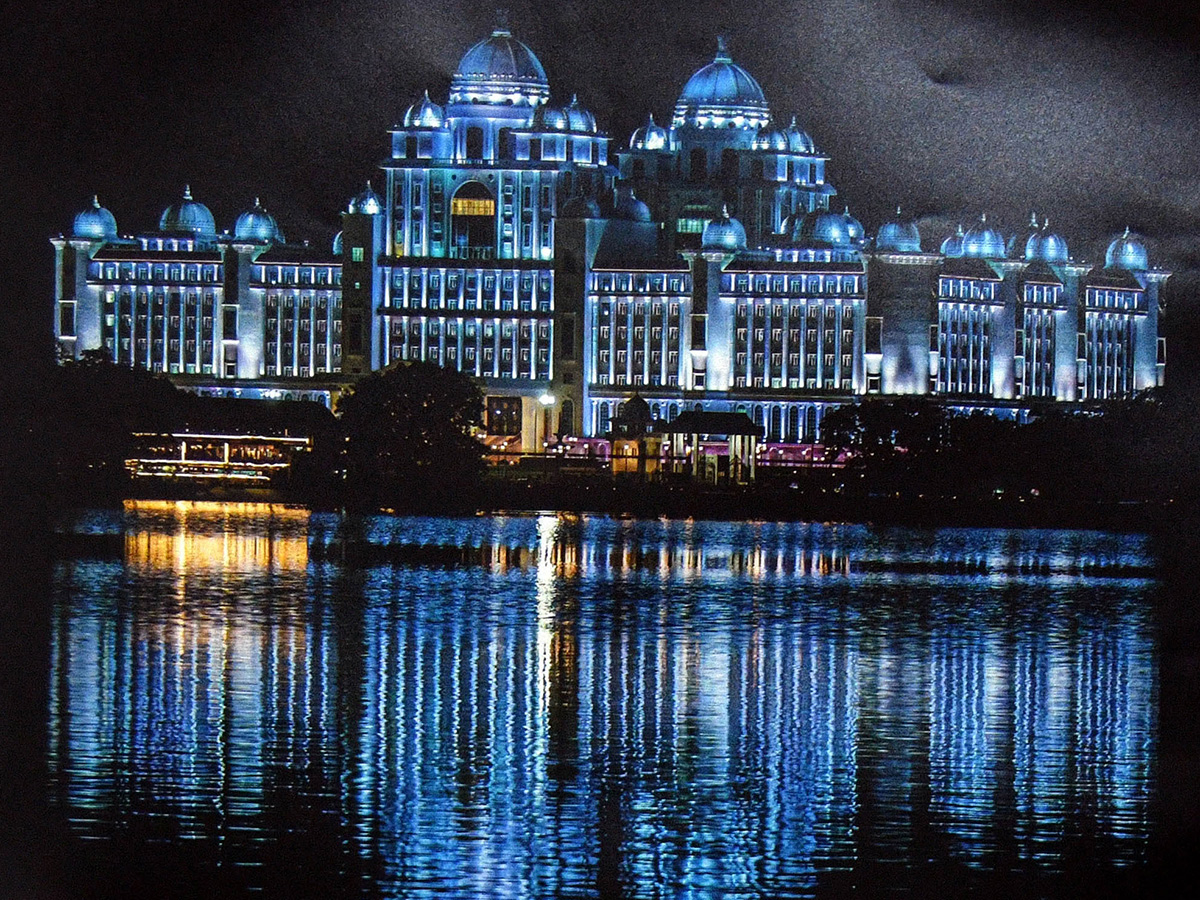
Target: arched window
point(473, 222)
point(508, 144)
point(729, 163)
point(776, 430)
point(474, 143)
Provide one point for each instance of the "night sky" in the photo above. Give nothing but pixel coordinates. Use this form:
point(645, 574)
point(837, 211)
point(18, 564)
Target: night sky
point(1083, 111)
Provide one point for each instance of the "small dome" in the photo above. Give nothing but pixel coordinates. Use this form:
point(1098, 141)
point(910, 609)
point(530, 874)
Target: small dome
point(188, 215)
point(1127, 252)
point(771, 139)
point(95, 223)
point(579, 207)
point(898, 237)
point(549, 118)
point(982, 242)
point(952, 246)
point(1046, 245)
point(257, 225)
point(722, 94)
point(725, 234)
point(627, 206)
point(500, 70)
point(798, 139)
point(425, 114)
point(367, 203)
point(579, 119)
point(824, 227)
point(650, 136)
point(337, 244)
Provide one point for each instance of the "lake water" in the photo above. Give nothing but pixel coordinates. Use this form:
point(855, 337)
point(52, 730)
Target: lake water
point(595, 707)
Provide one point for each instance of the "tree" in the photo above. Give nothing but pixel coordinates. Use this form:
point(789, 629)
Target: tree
point(94, 406)
point(893, 444)
point(409, 437)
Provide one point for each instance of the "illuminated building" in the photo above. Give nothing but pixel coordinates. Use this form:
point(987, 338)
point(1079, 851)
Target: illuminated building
point(702, 268)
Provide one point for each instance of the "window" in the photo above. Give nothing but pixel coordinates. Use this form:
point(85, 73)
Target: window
point(356, 254)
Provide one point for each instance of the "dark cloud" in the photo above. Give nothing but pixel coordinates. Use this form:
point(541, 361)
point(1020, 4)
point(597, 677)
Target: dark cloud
point(1083, 111)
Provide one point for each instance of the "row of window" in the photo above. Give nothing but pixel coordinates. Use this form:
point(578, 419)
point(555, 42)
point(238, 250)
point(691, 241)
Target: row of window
point(792, 285)
point(302, 275)
point(156, 273)
point(641, 282)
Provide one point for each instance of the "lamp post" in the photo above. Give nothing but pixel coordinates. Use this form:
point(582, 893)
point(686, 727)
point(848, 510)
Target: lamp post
point(547, 400)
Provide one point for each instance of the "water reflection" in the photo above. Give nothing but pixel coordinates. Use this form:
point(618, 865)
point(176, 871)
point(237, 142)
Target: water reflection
point(645, 709)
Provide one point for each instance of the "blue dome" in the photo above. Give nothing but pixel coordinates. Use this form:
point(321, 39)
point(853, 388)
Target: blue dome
point(188, 215)
point(650, 136)
point(898, 237)
point(771, 139)
point(629, 207)
point(952, 246)
point(95, 223)
point(982, 242)
point(725, 234)
point(368, 203)
point(1046, 246)
point(257, 225)
point(824, 227)
point(500, 70)
point(798, 139)
point(549, 118)
point(1127, 252)
point(425, 114)
point(337, 244)
point(722, 94)
point(579, 119)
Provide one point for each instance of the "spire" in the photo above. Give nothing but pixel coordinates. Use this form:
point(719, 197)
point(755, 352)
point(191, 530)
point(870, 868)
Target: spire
point(502, 28)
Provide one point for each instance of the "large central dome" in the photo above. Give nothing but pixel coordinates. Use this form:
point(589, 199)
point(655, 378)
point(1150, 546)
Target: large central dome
point(720, 95)
point(500, 70)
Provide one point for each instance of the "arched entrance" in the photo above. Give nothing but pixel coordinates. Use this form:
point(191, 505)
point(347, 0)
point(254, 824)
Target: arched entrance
point(473, 222)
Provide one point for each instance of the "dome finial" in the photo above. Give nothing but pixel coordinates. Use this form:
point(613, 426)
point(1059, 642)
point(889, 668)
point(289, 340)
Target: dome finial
point(502, 26)
point(724, 210)
point(95, 201)
point(1126, 234)
point(983, 218)
point(723, 49)
point(257, 203)
point(1033, 220)
point(187, 192)
point(897, 211)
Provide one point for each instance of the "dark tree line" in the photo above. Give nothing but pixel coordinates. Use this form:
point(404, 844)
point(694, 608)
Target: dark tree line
point(1138, 450)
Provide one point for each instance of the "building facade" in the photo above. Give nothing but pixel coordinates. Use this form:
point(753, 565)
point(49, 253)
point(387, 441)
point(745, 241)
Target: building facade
point(705, 267)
